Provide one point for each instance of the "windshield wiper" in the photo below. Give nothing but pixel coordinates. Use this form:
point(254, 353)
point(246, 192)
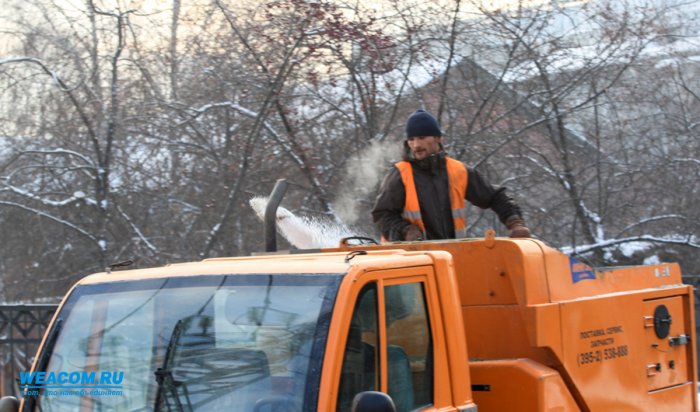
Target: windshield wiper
point(164, 375)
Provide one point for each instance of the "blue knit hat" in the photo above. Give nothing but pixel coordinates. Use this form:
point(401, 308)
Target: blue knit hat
point(422, 123)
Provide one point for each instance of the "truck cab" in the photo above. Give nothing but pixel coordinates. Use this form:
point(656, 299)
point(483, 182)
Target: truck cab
point(268, 333)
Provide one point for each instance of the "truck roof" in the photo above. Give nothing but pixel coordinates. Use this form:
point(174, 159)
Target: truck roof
point(314, 263)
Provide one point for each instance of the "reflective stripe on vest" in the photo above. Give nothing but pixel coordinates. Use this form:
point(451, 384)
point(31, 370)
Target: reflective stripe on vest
point(457, 180)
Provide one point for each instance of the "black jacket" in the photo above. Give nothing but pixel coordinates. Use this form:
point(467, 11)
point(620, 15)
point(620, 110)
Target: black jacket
point(430, 177)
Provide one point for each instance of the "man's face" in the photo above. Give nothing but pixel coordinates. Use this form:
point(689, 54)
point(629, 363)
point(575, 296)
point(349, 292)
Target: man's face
point(423, 146)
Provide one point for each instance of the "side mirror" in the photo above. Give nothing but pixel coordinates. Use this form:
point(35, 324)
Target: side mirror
point(9, 404)
point(371, 401)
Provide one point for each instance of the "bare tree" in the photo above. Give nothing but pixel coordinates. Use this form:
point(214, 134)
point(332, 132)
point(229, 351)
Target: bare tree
point(140, 131)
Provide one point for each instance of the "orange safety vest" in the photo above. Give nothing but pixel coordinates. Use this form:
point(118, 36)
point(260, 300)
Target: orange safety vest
point(457, 179)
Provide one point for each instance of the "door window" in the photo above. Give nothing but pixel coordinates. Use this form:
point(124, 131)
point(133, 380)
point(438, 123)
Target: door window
point(409, 347)
point(360, 362)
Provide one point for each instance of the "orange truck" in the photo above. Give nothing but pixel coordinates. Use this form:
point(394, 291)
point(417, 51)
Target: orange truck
point(485, 324)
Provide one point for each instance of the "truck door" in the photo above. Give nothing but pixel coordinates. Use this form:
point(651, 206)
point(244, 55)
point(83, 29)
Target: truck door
point(390, 343)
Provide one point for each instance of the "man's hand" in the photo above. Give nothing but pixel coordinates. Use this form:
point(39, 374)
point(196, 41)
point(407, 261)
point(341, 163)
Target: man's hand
point(516, 227)
point(412, 233)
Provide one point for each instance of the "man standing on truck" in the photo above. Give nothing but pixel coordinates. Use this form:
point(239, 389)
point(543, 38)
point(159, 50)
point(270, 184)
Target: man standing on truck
point(423, 196)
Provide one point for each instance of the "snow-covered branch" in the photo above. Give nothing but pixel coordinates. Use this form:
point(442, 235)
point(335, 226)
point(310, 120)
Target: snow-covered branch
point(63, 222)
point(23, 59)
point(252, 114)
point(73, 153)
point(87, 167)
point(686, 160)
point(137, 231)
point(649, 220)
point(75, 197)
point(689, 240)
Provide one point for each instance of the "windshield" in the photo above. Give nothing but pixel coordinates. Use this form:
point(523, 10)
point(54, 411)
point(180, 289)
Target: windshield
point(193, 343)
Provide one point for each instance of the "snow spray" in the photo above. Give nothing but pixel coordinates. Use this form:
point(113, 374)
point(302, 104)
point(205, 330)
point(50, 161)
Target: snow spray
point(364, 172)
point(301, 231)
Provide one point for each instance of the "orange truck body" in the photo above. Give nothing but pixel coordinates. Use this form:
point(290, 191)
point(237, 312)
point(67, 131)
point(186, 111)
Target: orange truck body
point(515, 324)
point(547, 333)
